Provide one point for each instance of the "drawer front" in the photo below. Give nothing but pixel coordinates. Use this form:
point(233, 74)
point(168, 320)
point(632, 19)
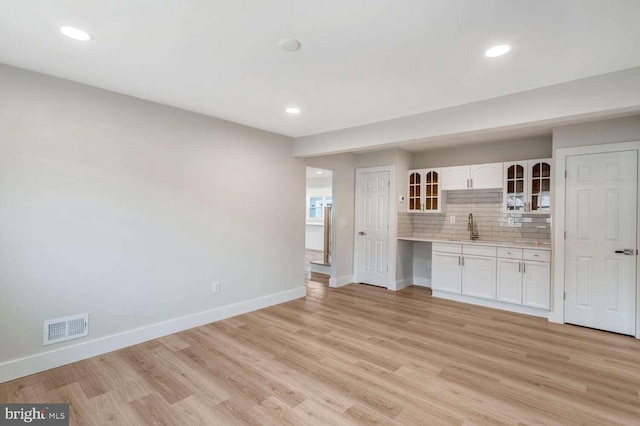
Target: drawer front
point(479, 250)
point(448, 248)
point(536, 255)
point(509, 253)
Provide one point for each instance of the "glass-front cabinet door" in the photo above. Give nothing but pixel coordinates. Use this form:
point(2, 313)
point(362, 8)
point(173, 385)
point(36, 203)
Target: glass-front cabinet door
point(415, 191)
point(527, 186)
point(424, 191)
point(539, 186)
point(431, 191)
point(515, 188)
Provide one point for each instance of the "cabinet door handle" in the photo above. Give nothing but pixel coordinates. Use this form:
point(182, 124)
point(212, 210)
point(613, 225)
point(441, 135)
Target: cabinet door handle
point(524, 267)
point(467, 183)
point(458, 260)
point(471, 183)
point(519, 266)
point(462, 260)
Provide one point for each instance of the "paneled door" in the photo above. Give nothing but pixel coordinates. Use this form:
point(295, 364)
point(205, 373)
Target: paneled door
point(372, 226)
point(600, 246)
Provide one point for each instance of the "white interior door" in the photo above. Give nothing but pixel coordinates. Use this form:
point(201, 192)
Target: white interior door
point(600, 246)
point(372, 227)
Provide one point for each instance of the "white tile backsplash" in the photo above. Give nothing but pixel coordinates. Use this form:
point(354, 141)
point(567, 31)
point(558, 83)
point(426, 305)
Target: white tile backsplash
point(492, 224)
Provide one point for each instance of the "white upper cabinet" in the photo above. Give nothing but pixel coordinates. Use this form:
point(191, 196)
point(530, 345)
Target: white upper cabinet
point(539, 186)
point(527, 187)
point(479, 176)
point(424, 191)
point(485, 176)
point(515, 186)
point(415, 192)
point(455, 178)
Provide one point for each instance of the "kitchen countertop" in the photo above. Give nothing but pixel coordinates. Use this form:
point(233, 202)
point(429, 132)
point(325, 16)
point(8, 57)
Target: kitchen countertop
point(480, 243)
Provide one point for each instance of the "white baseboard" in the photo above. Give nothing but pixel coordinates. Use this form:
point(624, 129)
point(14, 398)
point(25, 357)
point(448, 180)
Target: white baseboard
point(344, 280)
point(555, 317)
point(543, 313)
point(403, 283)
point(321, 269)
point(422, 282)
point(36, 363)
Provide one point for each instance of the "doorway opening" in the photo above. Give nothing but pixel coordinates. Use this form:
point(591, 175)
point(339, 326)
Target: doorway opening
point(318, 212)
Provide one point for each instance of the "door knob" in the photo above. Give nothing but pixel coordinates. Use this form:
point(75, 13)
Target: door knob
point(362, 233)
point(627, 252)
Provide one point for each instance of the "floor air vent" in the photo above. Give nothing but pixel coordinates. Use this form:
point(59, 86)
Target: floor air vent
point(61, 329)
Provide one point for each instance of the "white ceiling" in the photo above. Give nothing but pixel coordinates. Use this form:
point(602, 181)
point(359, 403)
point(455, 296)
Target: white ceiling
point(312, 173)
point(362, 61)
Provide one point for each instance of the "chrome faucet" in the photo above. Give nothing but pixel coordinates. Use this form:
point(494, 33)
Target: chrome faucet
point(471, 227)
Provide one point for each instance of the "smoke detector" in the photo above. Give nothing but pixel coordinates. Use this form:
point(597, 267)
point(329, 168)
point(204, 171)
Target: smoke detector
point(289, 44)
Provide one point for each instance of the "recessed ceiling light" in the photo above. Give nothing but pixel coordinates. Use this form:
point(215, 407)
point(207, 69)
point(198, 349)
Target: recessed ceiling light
point(293, 110)
point(289, 44)
point(319, 172)
point(75, 33)
point(497, 51)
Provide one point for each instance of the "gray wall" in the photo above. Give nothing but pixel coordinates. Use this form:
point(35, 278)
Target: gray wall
point(597, 132)
point(489, 152)
point(129, 210)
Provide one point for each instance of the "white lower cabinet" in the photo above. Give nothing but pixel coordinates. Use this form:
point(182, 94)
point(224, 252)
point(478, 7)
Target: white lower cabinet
point(459, 273)
point(507, 277)
point(524, 282)
point(479, 276)
point(446, 272)
point(509, 281)
point(535, 284)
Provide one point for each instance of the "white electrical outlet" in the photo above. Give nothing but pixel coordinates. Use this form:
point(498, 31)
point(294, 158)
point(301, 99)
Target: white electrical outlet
point(215, 288)
point(452, 219)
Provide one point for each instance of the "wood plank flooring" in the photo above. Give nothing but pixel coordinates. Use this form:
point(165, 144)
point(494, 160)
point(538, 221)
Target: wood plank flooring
point(356, 355)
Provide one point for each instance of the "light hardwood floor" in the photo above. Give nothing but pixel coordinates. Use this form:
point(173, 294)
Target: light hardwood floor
point(356, 355)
